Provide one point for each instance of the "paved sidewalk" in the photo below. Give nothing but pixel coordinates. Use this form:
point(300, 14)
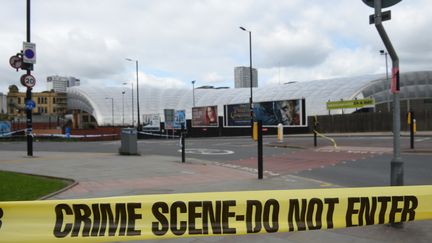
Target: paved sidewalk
point(108, 174)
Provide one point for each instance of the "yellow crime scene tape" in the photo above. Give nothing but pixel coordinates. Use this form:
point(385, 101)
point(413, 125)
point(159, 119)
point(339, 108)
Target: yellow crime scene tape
point(206, 214)
point(328, 138)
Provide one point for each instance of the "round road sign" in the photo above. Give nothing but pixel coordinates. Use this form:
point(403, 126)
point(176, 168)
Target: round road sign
point(28, 80)
point(30, 105)
point(29, 53)
point(384, 3)
point(15, 62)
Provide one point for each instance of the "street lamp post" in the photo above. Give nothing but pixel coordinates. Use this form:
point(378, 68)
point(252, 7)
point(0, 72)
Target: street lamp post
point(132, 108)
point(385, 54)
point(123, 93)
point(137, 88)
point(112, 109)
point(193, 92)
point(250, 76)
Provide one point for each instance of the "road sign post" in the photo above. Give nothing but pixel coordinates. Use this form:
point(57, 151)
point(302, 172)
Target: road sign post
point(30, 54)
point(396, 178)
point(396, 165)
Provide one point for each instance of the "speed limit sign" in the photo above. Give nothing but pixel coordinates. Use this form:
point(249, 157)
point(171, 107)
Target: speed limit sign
point(28, 80)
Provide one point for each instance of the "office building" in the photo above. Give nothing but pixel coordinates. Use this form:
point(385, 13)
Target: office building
point(59, 84)
point(242, 77)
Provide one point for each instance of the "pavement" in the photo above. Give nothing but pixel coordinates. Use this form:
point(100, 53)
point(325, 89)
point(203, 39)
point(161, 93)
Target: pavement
point(109, 174)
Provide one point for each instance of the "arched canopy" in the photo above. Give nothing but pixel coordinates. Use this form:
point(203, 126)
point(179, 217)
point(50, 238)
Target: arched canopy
point(92, 99)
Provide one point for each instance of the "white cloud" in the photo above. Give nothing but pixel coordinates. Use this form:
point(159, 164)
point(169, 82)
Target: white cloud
point(294, 47)
point(214, 77)
point(179, 41)
point(159, 82)
point(339, 63)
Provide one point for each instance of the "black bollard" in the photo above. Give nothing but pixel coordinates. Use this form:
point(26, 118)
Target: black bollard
point(315, 127)
point(411, 124)
point(182, 134)
point(260, 150)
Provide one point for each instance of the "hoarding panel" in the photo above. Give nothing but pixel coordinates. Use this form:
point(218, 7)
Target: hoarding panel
point(206, 116)
point(5, 128)
point(237, 115)
point(289, 113)
point(151, 122)
point(169, 118)
point(286, 112)
point(179, 119)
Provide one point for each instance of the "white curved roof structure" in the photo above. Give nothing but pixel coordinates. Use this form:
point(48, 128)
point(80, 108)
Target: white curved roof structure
point(154, 100)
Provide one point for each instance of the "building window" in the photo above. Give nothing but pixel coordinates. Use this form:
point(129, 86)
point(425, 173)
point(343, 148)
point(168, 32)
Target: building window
point(19, 100)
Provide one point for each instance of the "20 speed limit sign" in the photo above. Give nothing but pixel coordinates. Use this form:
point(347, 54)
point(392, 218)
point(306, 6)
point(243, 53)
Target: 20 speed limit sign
point(28, 80)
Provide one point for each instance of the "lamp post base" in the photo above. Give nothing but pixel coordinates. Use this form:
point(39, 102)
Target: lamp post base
point(397, 172)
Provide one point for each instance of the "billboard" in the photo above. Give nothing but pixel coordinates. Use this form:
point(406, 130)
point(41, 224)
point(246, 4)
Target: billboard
point(151, 122)
point(237, 115)
point(347, 104)
point(169, 118)
point(290, 113)
point(179, 119)
point(205, 116)
point(5, 128)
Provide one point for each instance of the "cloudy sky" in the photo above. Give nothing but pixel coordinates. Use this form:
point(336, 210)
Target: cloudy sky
point(177, 41)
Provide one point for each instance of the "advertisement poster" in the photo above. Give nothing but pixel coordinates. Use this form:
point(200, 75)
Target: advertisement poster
point(286, 112)
point(179, 119)
point(169, 118)
point(151, 122)
point(237, 115)
point(5, 128)
point(290, 113)
point(206, 116)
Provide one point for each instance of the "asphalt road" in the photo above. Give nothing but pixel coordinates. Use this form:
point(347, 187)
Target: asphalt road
point(367, 165)
point(357, 162)
point(374, 171)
